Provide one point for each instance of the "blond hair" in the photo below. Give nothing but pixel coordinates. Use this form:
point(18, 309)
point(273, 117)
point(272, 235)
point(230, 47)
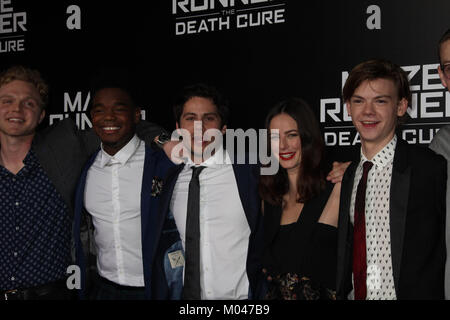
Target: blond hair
point(28, 75)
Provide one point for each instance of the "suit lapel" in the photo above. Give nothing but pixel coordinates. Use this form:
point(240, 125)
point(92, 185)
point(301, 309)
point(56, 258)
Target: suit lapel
point(78, 209)
point(399, 193)
point(147, 215)
point(243, 179)
point(344, 247)
point(165, 198)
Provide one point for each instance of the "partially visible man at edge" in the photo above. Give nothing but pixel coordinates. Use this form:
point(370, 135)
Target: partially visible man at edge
point(441, 142)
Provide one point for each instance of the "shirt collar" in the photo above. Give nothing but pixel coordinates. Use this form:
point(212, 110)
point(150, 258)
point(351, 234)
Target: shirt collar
point(30, 162)
point(383, 157)
point(123, 155)
point(218, 159)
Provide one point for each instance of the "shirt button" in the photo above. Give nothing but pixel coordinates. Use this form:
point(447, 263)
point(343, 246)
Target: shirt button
point(12, 278)
point(15, 254)
point(17, 204)
point(17, 228)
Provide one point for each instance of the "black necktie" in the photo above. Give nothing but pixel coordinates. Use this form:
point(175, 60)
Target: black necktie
point(191, 290)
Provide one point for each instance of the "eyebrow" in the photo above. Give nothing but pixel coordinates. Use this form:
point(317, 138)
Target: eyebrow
point(205, 114)
point(9, 95)
point(115, 103)
point(376, 97)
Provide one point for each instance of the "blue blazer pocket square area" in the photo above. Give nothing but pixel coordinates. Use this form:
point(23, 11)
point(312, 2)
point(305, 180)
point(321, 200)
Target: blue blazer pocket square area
point(156, 186)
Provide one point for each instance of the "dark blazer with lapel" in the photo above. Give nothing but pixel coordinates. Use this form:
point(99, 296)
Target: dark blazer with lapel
point(417, 224)
point(247, 177)
point(63, 150)
point(156, 165)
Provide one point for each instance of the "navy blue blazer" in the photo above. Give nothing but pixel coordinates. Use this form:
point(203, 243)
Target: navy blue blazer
point(156, 165)
point(168, 277)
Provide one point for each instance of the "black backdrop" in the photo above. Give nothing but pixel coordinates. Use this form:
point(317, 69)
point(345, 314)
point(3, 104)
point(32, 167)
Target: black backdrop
point(304, 54)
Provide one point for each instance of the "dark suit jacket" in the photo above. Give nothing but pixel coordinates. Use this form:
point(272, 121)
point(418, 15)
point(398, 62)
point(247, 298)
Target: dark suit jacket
point(170, 279)
point(156, 165)
point(63, 150)
point(417, 224)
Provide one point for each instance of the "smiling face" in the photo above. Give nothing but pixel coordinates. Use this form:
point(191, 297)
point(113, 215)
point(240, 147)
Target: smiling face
point(287, 141)
point(205, 112)
point(374, 108)
point(114, 118)
point(20, 109)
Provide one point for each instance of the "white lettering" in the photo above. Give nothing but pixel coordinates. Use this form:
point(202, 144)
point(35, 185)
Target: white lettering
point(336, 102)
point(187, 6)
point(374, 21)
point(4, 8)
point(412, 71)
point(204, 25)
point(70, 106)
point(427, 76)
point(12, 45)
point(425, 105)
point(74, 280)
point(74, 20)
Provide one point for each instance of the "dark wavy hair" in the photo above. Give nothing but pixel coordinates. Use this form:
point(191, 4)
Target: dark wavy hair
point(311, 178)
point(202, 90)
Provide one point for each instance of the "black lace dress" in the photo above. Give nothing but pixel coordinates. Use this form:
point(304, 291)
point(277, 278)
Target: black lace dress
point(300, 258)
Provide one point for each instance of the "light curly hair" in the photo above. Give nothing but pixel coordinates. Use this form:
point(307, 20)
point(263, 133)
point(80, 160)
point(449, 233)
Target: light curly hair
point(28, 75)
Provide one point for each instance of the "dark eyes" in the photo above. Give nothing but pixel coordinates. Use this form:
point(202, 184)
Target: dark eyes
point(192, 118)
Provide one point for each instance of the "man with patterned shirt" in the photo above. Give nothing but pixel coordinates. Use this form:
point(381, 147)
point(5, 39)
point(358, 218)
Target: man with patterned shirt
point(38, 175)
point(391, 233)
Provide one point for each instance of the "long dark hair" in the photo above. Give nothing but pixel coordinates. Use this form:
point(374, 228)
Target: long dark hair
point(311, 178)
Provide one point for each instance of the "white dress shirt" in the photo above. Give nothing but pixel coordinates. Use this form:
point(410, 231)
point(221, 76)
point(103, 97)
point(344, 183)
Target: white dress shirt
point(113, 198)
point(224, 230)
point(380, 280)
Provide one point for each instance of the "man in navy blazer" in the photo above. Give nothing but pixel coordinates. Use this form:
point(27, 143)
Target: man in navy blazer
point(230, 222)
point(117, 197)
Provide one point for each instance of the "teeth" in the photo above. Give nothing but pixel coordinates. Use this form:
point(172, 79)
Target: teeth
point(110, 128)
point(286, 156)
point(15, 120)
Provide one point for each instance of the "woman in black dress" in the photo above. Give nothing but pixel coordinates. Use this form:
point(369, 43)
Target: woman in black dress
point(300, 208)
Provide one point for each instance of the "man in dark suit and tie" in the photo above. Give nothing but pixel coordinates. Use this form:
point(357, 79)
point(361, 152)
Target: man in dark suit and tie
point(214, 206)
point(391, 234)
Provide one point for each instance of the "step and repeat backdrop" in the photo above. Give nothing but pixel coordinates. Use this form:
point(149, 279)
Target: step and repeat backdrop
point(256, 51)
